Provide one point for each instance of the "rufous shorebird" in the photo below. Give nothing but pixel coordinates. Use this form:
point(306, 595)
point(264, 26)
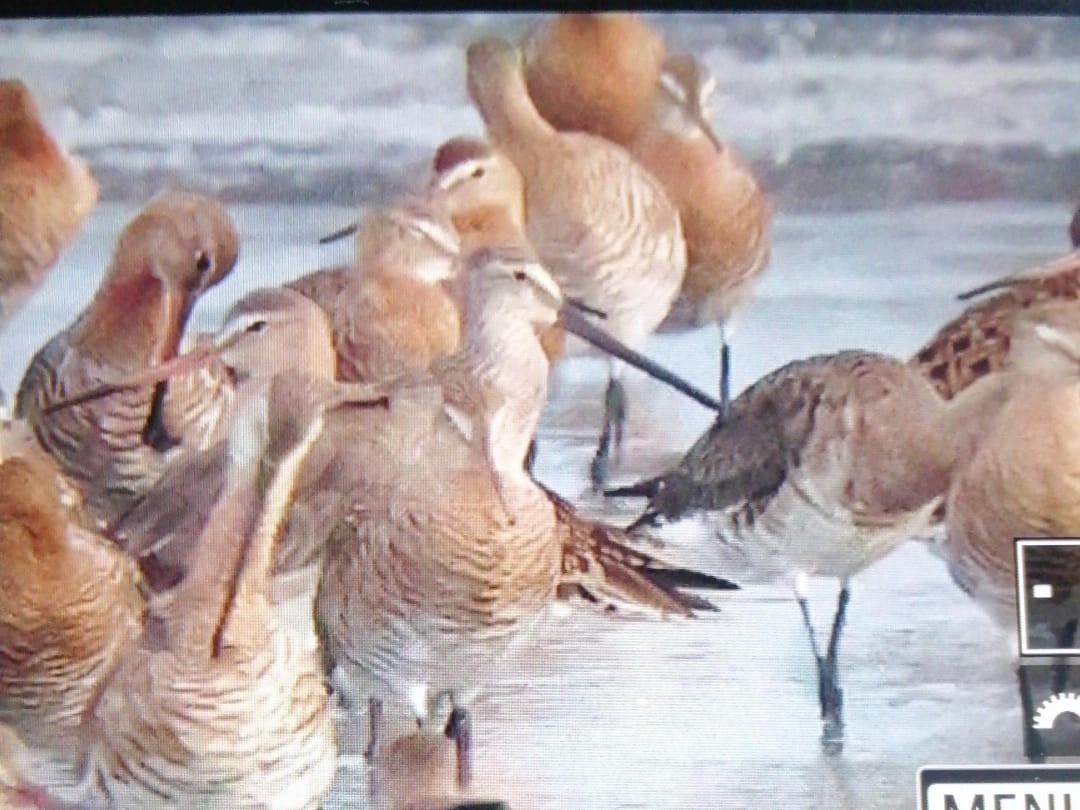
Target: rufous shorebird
point(595, 73)
point(449, 551)
point(484, 195)
point(601, 224)
point(821, 468)
point(164, 523)
point(725, 216)
point(176, 248)
point(218, 705)
point(161, 527)
point(482, 192)
point(389, 310)
point(199, 405)
point(599, 73)
point(1020, 480)
point(45, 194)
point(976, 342)
point(70, 602)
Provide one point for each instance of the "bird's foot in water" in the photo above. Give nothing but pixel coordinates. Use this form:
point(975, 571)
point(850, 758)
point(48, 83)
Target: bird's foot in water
point(459, 729)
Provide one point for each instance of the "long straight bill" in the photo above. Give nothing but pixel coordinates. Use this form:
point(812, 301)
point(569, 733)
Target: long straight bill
point(338, 235)
point(197, 357)
point(576, 323)
point(1069, 263)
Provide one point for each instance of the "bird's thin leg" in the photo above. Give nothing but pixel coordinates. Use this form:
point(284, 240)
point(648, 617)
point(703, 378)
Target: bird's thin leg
point(530, 456)
point(832, 696)
point(1066, 638)
point(725, 372)
point(459, 729)
point(612, 432)
point(375, 714)
point(616, 402)
point(1033, 746)
point(599, 468)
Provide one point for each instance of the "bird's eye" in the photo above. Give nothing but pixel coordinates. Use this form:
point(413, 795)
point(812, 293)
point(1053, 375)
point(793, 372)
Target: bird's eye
point(258, 326)
point(478, 172)
point(519, 275)
point(202, 261)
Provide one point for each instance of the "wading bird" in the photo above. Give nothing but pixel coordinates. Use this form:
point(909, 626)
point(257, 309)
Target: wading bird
point(601, 224)
point(821, 467)
point(1022, 477)
point(218, 704)
point(175, 249)
point(45, 194)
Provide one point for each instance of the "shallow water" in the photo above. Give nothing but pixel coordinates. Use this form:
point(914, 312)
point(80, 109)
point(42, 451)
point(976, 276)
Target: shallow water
point(720, 711)
point(836, 113)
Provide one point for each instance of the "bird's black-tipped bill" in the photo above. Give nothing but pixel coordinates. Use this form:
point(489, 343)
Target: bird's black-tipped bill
point(576, 323)
point(581, 306)
point(196, 358)
point(340, 234)
point(1000, 284)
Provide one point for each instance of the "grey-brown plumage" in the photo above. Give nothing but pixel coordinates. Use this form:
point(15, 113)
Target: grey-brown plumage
point(175, 249)
point(600, 223)
point(162, 525)
point(821, 467)
point(293, 334)
point(449, 553)
point(220, 705)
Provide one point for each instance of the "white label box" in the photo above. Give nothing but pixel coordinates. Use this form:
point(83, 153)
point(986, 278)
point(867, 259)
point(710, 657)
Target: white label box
point(1009, 787)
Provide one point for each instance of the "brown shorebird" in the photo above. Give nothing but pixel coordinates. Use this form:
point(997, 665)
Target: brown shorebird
point(161, 527)
point(175, 249)
point(594, 73)
point(600, 223)
point(70, 602)
point(976, 342)
point(389, 310)
point(608, 75)
point(484, 195)
point(1020, 478)
point(199, 405)
point(821, 467)
point(219, 705)
point(725, 216)
point(45, 194)
point(449, 551)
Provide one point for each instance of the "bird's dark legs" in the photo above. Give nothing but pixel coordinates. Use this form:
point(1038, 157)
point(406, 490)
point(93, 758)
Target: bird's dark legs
point(459, 729)
point(375, 713)
point(612, 432)
point(530, 456)
point(830, 694)
point(725, 374)
point(1033, 747)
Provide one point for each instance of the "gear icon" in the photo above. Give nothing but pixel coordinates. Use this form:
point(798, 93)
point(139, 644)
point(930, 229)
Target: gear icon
point(1055, 706)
